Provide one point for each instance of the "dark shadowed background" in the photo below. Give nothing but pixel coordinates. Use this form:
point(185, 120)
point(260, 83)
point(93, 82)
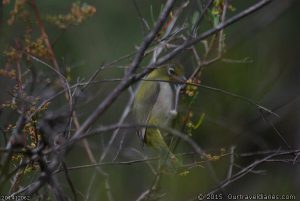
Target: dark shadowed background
point(261, 63)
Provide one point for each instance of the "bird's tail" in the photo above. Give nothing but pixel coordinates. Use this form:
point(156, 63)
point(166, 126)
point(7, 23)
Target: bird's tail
point(169, 163)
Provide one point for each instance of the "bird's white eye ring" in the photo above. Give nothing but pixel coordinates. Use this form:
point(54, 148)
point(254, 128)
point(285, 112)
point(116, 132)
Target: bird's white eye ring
point(171, 71)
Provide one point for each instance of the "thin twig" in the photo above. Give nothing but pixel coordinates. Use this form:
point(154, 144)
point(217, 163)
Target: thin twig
point(210, 32)
point(132, 162)
point(241, 173)
point(199, 20)
point(275, 130)
point(231, 162)
point(65, 168)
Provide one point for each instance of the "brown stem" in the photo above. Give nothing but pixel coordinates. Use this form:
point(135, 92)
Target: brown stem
point(44, 33)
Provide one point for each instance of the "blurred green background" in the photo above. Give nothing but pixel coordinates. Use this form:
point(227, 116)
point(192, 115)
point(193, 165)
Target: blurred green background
point(269, 39)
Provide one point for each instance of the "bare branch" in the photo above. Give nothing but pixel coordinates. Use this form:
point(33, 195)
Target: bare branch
point(102, 107)
point(210, 32)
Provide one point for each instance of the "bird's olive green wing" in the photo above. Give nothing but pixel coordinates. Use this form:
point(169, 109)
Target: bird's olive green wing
point(144, 101)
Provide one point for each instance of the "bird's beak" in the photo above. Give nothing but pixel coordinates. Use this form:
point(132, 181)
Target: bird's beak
point(182, 79)
point(178, 87)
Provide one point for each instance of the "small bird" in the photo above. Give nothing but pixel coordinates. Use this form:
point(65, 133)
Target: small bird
point(156, 103)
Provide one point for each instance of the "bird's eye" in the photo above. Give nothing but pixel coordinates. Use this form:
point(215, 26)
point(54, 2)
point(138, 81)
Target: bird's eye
point(171, 71)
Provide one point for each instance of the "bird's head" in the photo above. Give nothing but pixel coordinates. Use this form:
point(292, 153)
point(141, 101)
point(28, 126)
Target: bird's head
point(170, 72)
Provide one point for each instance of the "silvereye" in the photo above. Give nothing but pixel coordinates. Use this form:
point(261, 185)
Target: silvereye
point(156, 103)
